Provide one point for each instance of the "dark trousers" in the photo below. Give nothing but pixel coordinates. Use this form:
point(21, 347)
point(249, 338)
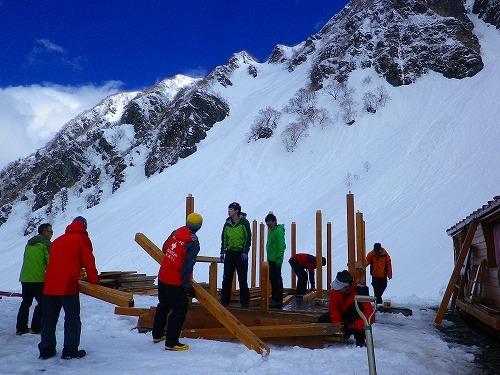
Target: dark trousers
point(30, 291)
point(379, 285)
point(72, 325)
point(301, 274)
point(232, 262)
point(172, 298)
point(276, 282)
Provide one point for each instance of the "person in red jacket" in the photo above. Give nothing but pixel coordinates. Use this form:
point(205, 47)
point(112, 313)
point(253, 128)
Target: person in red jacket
point(342, 309)
point(299, 263)
point(174, 282)
point(380, 268)
point(68, 255)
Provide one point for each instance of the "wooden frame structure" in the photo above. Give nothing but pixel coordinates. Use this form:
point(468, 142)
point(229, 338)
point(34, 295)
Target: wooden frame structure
point(209, 319)
point(474, 286)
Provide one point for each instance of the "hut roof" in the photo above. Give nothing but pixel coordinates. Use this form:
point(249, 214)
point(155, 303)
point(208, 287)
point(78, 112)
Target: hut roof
point(485, 211)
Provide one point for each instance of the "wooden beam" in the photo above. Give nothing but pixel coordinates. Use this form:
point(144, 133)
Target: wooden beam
point(204, 259)
point(290, 330)
point(212, 305)
point(114, 296)
point(351, 241)
point(233, 325)
point(319, 254)
point(130, 311)
point(212, 276)
point(264, 287)
point(456, 271)
point(149, 246)
point(294, 251)
point(253, 283)
point(328, 255)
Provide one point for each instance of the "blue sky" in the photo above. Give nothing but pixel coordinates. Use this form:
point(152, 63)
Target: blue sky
point(140, 42)
point(59, 58)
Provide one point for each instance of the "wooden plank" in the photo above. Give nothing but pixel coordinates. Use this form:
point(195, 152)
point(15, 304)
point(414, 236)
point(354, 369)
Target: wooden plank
point(113, 296)
point(490, 319)
point(264, 287)
point(291, 330)
point(149, 246)
point(249, 339)
point(456, 271)
point(130, 311)
point(204, 259)
point(212, 305)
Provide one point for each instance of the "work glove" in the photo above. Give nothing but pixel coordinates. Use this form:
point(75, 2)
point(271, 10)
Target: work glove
point(222, 257)
point(313, 289)
point(244, 257)
point(190, 292)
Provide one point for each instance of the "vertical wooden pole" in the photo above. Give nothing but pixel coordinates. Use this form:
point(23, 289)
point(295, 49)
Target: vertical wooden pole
point(456, 271)
point(212, 284)
point(294, 250)
point(254, 253)
point(264, 287)
point(319, 253)
point(351, 251)
point(360, 259)
point(328, 255)
point(189, 204)
point(261, 243)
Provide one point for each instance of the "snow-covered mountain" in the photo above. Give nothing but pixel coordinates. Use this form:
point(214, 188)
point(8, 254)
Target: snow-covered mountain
point(395, 101)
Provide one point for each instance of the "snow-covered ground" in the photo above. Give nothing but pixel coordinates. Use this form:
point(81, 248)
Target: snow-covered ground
point(433, 159)
point(403, 345)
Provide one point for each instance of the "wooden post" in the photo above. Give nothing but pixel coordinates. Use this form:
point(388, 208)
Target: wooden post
point(328, 255)
point(261, 247)
point(254, 253)
point(212, 277)
point(456, 271)
point(233, 325)
point(351, 251)
point(360, 242)
point(294, 250)
point(264, 287)
point(319, 254)
point(189, 204)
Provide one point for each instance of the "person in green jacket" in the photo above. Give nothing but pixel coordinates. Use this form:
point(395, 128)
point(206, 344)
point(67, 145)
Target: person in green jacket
point(35, 261)
point(275, 248)
point(235, 245)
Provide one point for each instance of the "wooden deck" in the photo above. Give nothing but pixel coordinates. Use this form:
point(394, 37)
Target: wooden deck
point(488, 316)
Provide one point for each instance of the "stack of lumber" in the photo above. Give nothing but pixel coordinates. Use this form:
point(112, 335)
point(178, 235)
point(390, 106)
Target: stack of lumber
point(128, 281)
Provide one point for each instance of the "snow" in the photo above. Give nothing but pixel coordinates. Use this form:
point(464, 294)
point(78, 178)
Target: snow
point(433, 157)
point(402, 345)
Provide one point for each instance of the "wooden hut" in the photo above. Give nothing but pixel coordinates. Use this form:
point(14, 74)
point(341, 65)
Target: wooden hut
point(476, 244)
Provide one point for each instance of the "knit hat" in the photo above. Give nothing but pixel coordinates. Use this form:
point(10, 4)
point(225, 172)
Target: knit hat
point(82, 219)
point(342, 280)
point(377, 246)
point(235, 206)
point(194, 221)
point(270, 217)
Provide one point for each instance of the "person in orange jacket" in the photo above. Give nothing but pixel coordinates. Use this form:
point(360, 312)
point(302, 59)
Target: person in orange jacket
point(342, 308)
point(380, 268)
point(69, 253)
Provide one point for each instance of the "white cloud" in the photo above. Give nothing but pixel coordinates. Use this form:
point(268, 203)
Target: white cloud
point(31, 115)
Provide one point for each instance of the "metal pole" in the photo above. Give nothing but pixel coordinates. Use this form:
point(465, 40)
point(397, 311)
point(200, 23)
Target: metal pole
point(368, 330)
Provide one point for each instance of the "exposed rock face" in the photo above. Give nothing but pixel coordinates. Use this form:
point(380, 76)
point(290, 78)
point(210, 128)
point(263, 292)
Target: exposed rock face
point(488, 10)
point(91, 153)
point(186, 126)
point(400, 39)
point(90, 156)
